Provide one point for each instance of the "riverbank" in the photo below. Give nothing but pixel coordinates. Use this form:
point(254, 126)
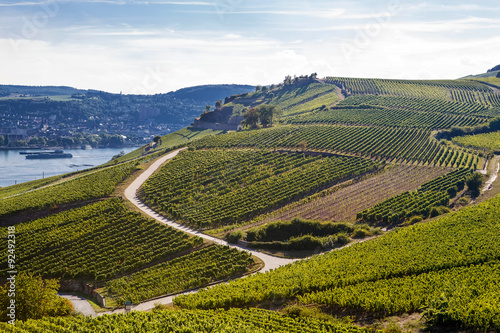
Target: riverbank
point(16, 169)
point(60, 147)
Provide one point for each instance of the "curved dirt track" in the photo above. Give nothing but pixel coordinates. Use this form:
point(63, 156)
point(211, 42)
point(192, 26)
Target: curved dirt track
point(270, 262)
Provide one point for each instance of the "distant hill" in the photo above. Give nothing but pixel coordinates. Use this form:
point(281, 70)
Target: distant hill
point(496, 68)
point(39, 90)
point(53, 112)
point(493, 72)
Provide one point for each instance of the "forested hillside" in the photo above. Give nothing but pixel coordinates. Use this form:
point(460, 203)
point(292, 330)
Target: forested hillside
point(49, 113)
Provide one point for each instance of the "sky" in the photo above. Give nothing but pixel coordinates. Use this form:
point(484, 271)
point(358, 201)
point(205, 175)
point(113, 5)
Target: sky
point(156, 46)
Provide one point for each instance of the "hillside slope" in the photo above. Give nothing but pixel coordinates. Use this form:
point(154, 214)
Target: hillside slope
point(331, 144)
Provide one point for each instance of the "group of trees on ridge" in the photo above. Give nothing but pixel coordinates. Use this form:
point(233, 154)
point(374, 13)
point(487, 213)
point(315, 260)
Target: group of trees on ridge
point(263, 113)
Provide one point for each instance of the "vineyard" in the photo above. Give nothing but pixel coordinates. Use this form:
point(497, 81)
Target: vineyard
point(437, 89)
point(98, 241)
point(461, 239)
point(435, 193)
point(180, 137)
point(193, 270)
point(485, 140)
point(231, 321)
point(344, 203)
point(90, 185)
point(347, 157)
point(399, 145)
point(364, 115)
point(464, 295)
point(419, 105)
point(212, 188)
point(27, 186)
point(296, 100)
point(314, 104)
point(486, 98)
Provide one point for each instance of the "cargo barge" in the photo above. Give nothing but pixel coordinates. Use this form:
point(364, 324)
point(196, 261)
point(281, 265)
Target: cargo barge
point(47, 155)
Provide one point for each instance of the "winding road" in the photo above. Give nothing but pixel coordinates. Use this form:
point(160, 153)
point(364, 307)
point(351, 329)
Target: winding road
point(270, 262)
point(80, 304)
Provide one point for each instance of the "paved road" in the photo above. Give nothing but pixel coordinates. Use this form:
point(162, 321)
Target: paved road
point(80, 304)
point(270, 262)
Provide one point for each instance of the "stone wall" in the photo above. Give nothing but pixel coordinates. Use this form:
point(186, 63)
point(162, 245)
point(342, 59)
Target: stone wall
point(85, 288)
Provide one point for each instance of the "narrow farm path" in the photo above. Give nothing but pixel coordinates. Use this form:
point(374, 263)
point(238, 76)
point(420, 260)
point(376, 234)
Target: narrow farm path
point(494, 175)
point(270, 262)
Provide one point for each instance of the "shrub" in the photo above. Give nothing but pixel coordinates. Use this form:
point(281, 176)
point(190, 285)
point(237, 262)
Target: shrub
point(306, 242)
point(360, 233)
point(452, 191)
point(439, 210)
point(474, 183)
point(415, 219)
point(234, 237)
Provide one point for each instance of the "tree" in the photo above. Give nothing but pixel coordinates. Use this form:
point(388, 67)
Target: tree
point(498, 74)
point(258, 87)
point(251, 118)
point(116, 140)
point(474, 183)
point(287, 80)
point(267, 113)
point(303, 145)
point(218, 104)
point(34, 298)
point(207, 108)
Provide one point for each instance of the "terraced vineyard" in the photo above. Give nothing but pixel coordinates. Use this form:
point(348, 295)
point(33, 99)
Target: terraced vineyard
point(27, 186)
point(426, 105)
point(193, 270)
point(91, 185)
point(233, 320)
point(295, 100)
point(385, 117)
point(486, 98)
point(213, 188)
point(344, 203)
point(395, 144)
point(437, 89)
point(405, 205)
point(371, 157)
point(463, 294)
point(459, 240)
point(98, 241)
point(180, 137)
point(314, 104)
point(485, 140)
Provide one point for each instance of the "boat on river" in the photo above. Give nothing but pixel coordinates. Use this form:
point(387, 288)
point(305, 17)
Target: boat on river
point(47, 155)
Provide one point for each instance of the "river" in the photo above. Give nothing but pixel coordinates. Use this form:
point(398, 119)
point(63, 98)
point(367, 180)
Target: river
point(15, 168)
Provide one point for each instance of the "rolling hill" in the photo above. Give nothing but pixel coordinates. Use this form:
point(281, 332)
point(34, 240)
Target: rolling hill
point(339, 161)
